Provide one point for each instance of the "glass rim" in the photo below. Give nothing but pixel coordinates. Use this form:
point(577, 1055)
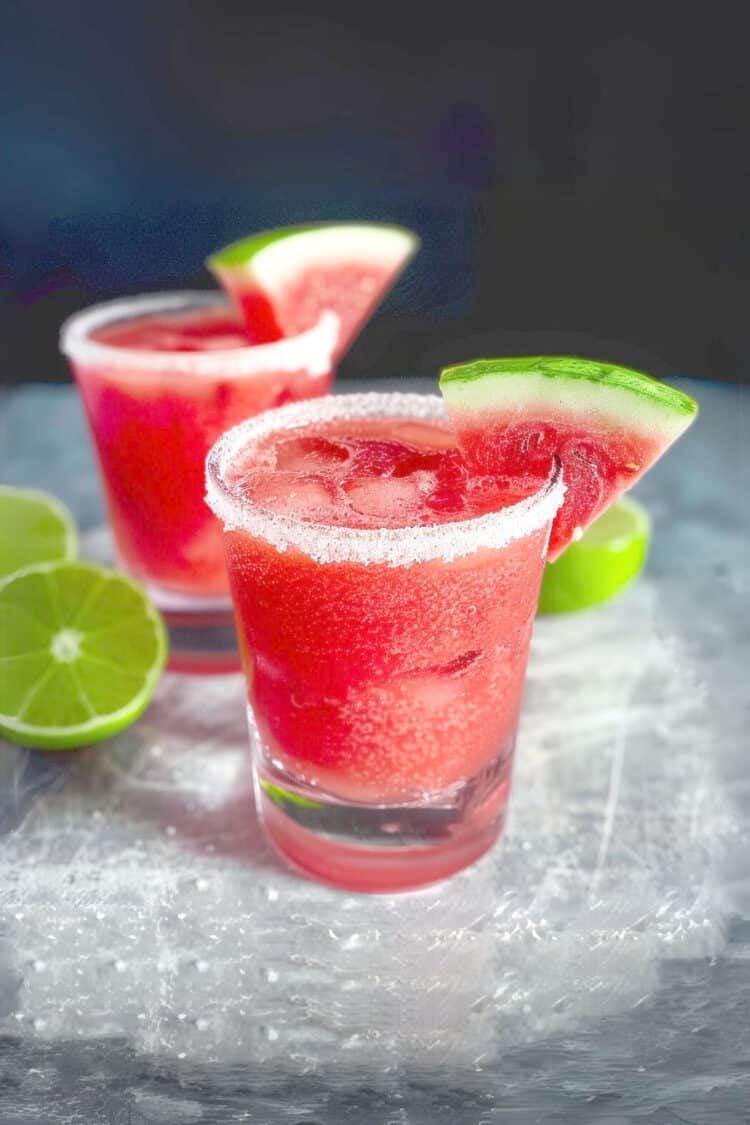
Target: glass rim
point(401, 546)
point(312, 350)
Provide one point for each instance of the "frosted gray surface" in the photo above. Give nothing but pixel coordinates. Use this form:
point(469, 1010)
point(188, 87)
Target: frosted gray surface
point(158, 965)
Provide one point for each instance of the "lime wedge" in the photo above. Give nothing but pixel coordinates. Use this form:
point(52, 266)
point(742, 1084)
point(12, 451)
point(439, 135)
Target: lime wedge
point(608, 556)
point(81, 653)
point(34, 528)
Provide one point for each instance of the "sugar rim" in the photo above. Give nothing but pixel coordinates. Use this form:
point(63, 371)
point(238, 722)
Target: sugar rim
point(390, 546)
point(310, 351)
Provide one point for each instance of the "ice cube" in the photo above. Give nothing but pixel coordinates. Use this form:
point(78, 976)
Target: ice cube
point(379, 457)
point(388, 500)
point(419, 461)
point(310, 454)
point(305, 495)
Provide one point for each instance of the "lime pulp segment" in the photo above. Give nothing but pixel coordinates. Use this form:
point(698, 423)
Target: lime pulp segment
point(81, 653)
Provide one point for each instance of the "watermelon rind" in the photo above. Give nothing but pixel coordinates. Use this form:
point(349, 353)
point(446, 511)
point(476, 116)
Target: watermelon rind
point(604, 390)
point(244, 250)
point(286, 250)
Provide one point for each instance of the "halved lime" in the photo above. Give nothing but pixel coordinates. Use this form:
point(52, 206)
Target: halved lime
point(607, 557)
point(81, 653)
point(34, 528)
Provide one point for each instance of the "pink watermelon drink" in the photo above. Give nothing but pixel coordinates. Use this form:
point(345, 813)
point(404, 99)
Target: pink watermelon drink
point(385, 596)
point(162, 377)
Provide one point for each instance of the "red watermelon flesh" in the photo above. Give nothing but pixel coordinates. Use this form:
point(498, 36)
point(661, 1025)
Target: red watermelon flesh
point(606, 425)
point(283, 281)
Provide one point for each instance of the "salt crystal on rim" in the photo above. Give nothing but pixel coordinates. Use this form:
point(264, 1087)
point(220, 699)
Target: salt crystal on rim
point(389, 546)
point(310, 351)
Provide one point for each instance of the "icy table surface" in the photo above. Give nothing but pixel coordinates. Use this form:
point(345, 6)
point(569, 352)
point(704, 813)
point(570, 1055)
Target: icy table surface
point(158, 965)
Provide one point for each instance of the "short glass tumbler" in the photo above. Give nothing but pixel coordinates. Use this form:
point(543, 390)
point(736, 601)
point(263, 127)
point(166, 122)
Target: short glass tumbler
point(385, 667)
point(154, 414)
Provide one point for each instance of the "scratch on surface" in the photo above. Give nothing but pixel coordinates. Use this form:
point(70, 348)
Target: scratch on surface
point(610, 810)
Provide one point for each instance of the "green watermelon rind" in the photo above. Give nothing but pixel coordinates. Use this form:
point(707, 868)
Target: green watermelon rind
point(569, 383)
point(240, 254)
point(244, 250)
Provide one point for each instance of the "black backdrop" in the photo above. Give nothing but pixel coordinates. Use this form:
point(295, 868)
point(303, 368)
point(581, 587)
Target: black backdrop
point(579, 184)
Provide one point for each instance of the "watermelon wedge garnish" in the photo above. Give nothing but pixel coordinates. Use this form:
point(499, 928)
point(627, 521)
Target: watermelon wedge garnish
point(281, 281)
point(606, 424)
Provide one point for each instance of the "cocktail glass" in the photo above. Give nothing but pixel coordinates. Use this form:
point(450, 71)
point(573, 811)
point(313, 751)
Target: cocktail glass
point(384, 667)
point(153, 416)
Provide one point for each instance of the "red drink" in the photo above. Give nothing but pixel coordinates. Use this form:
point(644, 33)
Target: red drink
point(385, 599)
point(161, 377)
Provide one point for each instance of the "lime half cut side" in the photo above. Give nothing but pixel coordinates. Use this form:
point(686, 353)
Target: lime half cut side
point(34, 527)
point(609, 555)
point(81, 652)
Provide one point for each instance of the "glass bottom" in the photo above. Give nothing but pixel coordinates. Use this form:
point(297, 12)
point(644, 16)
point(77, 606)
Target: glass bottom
point(381, 848)
point(202, 642)
point(202, 635)
point(170, 601)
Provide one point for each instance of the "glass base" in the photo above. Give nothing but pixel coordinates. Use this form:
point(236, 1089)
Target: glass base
point(202, 636)
point(382, 848)
point(202, 642)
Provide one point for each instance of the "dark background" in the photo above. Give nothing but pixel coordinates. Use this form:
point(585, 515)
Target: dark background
point(579, 184)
